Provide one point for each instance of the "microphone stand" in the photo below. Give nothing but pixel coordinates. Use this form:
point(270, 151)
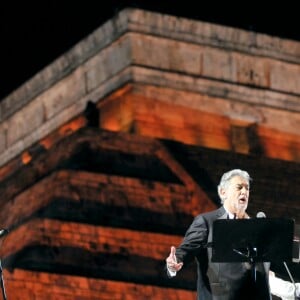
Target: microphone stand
point(3, 232)
point(292, 279)
point(251, 253)
point(2, 282)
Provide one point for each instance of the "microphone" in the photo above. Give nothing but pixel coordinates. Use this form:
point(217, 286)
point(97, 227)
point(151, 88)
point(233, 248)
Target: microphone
point(3, 232)
point(261, 214)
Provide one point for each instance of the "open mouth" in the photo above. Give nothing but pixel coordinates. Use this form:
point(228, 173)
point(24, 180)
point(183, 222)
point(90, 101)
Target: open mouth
point(242, 200)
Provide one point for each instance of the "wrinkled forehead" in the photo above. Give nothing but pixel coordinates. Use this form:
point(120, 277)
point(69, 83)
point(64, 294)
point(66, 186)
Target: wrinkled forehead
point(239, 181)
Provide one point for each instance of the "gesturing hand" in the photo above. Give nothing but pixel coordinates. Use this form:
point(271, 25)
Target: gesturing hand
point(172, 261)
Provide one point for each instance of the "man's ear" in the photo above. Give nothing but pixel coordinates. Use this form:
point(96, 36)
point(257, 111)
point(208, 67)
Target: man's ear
point(223, 194)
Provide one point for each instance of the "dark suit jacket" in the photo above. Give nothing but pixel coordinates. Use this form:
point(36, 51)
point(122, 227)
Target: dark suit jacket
point(220, 281)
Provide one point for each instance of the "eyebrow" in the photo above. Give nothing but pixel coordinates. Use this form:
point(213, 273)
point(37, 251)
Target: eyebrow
point(241, 184)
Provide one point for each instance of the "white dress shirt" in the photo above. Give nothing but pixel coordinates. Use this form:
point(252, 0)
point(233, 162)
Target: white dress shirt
point(283, 289)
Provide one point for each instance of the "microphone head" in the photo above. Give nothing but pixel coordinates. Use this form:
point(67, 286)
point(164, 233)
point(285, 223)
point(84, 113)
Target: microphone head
point(3, 232)
point(261, 214)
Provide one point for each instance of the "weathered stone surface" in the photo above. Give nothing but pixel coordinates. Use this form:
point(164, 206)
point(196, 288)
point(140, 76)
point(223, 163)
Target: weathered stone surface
point(108, 153)
point(145, 47)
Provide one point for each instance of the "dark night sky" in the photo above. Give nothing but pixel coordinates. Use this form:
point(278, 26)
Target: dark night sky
point(34, 33)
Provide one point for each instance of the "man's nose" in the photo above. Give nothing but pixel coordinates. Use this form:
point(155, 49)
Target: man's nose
point(244, 190)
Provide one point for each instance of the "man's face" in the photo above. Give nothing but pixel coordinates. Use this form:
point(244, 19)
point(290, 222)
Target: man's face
point(236, 195)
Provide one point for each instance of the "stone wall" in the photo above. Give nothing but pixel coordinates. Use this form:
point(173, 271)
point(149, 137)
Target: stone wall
point(253, 77)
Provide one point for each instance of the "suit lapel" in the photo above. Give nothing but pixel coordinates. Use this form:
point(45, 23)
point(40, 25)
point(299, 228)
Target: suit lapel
point(221, 213)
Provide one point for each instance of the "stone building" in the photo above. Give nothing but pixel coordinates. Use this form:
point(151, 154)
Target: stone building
point(108, 153)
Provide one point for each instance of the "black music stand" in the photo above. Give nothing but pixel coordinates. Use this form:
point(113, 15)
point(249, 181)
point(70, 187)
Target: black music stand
point(253, 240)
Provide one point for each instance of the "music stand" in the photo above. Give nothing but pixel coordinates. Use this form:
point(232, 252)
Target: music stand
point(253, 240)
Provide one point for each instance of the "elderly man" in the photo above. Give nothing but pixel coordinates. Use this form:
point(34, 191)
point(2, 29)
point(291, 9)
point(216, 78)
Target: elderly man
point(221, 281)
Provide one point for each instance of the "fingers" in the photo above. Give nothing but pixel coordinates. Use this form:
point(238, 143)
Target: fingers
point(173, 253)
point(172, 261)
point(178, 266)
point(175, 267)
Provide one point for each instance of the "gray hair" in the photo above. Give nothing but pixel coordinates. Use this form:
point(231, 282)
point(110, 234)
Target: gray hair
point(226, 178)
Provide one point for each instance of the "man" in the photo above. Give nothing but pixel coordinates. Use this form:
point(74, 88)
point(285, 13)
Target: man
point(221, 281)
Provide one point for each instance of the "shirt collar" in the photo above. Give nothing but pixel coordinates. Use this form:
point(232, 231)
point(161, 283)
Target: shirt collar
point(230, 215)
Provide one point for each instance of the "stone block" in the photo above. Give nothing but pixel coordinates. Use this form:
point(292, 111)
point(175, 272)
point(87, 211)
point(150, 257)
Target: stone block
point(107, 63)
point(285, 77)
point(219, 64)
point(166, 54)
point(25, 122)
point(63, 94)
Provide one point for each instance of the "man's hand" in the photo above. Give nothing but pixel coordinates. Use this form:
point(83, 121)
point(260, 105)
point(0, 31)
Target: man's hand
point(171, 261)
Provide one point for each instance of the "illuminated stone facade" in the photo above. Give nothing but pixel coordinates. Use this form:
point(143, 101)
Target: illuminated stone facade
point(108, 153)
